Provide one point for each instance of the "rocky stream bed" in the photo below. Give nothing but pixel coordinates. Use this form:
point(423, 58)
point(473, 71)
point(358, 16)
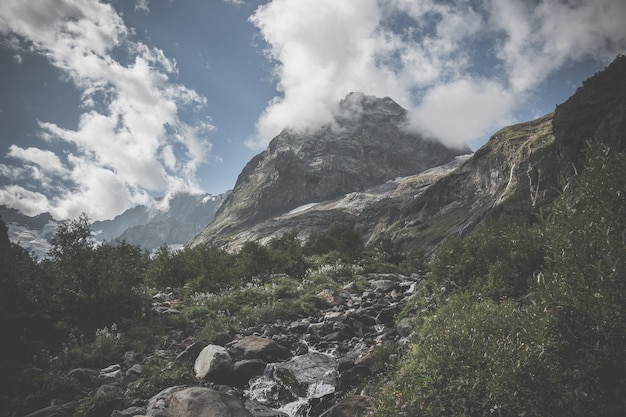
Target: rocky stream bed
point(313, 366)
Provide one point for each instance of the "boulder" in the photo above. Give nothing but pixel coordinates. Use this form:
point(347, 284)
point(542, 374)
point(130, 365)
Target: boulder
point(157, 405)
point(255, 347)
point(299, 373)
point(204, 402)
point(243, 371)
point(212, 361)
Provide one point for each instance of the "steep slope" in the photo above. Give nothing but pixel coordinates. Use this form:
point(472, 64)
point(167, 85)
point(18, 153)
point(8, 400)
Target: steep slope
point(521, 167)
point(365, 146)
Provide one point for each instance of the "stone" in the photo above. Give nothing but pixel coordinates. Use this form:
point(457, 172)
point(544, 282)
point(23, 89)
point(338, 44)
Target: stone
point(157, 405)
point(404, 327)
point(243, 371)
point(300, 372)
point(205, 402)
point(299, 326)
point(384, 285)
point(136, 369)
point(255, 347)
point(211, 361)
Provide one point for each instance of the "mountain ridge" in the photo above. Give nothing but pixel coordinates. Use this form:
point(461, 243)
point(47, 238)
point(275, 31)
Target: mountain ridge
point(325, 163)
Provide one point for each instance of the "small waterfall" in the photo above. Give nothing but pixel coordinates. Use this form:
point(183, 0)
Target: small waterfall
point(302, 406)
point(262, 389)
point(379, 327)
point(266, 390)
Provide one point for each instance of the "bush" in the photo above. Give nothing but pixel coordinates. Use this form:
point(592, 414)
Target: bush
point(554, 350)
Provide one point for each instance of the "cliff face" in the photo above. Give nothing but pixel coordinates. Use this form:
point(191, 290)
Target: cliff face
point(353, 177)
point(519, 168)
point(365, 146)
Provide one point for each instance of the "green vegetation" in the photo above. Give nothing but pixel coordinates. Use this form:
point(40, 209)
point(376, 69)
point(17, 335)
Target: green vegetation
point(526, 318)
point(88, 304)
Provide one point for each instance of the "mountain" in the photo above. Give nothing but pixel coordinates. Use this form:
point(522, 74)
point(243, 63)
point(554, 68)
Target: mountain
point(31, 233)
point(366, 145)
point(167, 222)
point(372, 175)
point(170, 222)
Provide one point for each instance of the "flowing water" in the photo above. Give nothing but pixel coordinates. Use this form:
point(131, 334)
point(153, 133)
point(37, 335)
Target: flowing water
point(267, 391)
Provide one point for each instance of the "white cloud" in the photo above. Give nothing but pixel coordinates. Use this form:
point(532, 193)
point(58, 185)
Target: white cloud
point(48, 161)
point(28, 202)
point(462, 109)
point(235, 2)
point(539, 40)
point(130, 140)
point(323, 49)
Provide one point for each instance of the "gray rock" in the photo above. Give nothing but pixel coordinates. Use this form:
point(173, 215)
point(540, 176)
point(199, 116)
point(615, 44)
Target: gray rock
point(243, 371)
point(384, 285)
point(211, 361)
point(300, 372)
point(404, 327)
point(197, 402)
point(255, 347)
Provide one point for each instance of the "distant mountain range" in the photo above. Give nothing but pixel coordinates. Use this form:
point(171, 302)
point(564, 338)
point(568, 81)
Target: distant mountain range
point(166, 222)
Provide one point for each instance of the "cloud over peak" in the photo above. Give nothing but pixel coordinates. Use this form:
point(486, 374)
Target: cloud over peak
point(459, 67)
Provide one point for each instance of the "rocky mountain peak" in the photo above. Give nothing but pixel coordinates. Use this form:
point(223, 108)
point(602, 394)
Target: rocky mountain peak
point(360, 107)
point(366, 146)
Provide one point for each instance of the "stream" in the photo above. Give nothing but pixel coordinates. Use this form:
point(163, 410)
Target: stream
point(293, 387)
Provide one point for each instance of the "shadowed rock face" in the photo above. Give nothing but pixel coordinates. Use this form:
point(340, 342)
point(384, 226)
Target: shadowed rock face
point(366, 145)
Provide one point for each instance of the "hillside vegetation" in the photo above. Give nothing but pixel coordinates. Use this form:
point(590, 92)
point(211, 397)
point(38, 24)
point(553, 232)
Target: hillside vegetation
point(525, 317)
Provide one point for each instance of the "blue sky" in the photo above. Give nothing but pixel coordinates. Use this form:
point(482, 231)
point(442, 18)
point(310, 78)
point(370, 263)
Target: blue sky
point(106, 105)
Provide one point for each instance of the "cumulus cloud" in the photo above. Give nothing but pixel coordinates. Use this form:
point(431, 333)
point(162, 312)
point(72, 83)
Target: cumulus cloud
point(459, 67)
point(130, 140)
point(48, 161)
